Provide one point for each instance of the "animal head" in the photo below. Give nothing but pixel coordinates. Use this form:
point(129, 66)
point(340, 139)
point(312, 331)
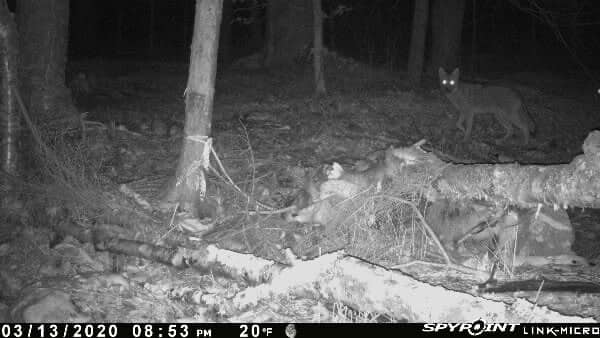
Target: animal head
point(448, 82)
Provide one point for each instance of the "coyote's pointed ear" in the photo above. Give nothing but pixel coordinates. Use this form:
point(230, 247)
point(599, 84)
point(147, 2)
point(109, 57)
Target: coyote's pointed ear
point(442, 72)
point(455, 73)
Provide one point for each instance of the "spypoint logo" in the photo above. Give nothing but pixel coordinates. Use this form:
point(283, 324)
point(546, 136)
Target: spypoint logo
point(474, 329)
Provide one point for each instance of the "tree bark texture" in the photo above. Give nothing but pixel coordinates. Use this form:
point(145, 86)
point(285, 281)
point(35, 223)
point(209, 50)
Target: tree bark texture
point(9, 114)
point(199, 96)
point(573, 184)
point(43, 36)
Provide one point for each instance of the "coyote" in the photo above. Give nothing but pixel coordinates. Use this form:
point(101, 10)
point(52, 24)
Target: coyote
point(471, 99)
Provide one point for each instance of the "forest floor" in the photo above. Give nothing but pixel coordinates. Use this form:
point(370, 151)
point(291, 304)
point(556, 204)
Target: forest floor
point(268, 130)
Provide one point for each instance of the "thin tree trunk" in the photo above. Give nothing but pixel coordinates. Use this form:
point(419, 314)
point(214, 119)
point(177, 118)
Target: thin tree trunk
point(318, 49)
point(9, 114)
point(290, 31)
point(417, 42)
point(190, 184)
point(446, 32)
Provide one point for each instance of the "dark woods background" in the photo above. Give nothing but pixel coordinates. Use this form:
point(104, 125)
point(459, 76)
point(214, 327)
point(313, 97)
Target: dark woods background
point(497, 34)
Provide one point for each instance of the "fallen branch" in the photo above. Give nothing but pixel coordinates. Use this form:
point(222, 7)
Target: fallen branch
point(202, 257)
point(434, 237)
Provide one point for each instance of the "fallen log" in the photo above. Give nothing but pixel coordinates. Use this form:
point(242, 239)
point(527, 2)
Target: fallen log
point(365, 287)
point(573, 184)
point(334, 277)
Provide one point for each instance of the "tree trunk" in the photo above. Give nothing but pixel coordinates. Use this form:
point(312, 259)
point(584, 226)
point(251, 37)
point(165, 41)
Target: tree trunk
point(43, 29)
point(225, 34)
point(318, 49)
point(9, 114)
point(446, 32)
point(417, 42)
point(190, 184)
point(290, 31)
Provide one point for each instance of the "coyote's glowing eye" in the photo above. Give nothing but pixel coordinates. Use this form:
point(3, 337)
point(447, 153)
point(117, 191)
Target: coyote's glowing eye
point(444, 82)
point(452, 82)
